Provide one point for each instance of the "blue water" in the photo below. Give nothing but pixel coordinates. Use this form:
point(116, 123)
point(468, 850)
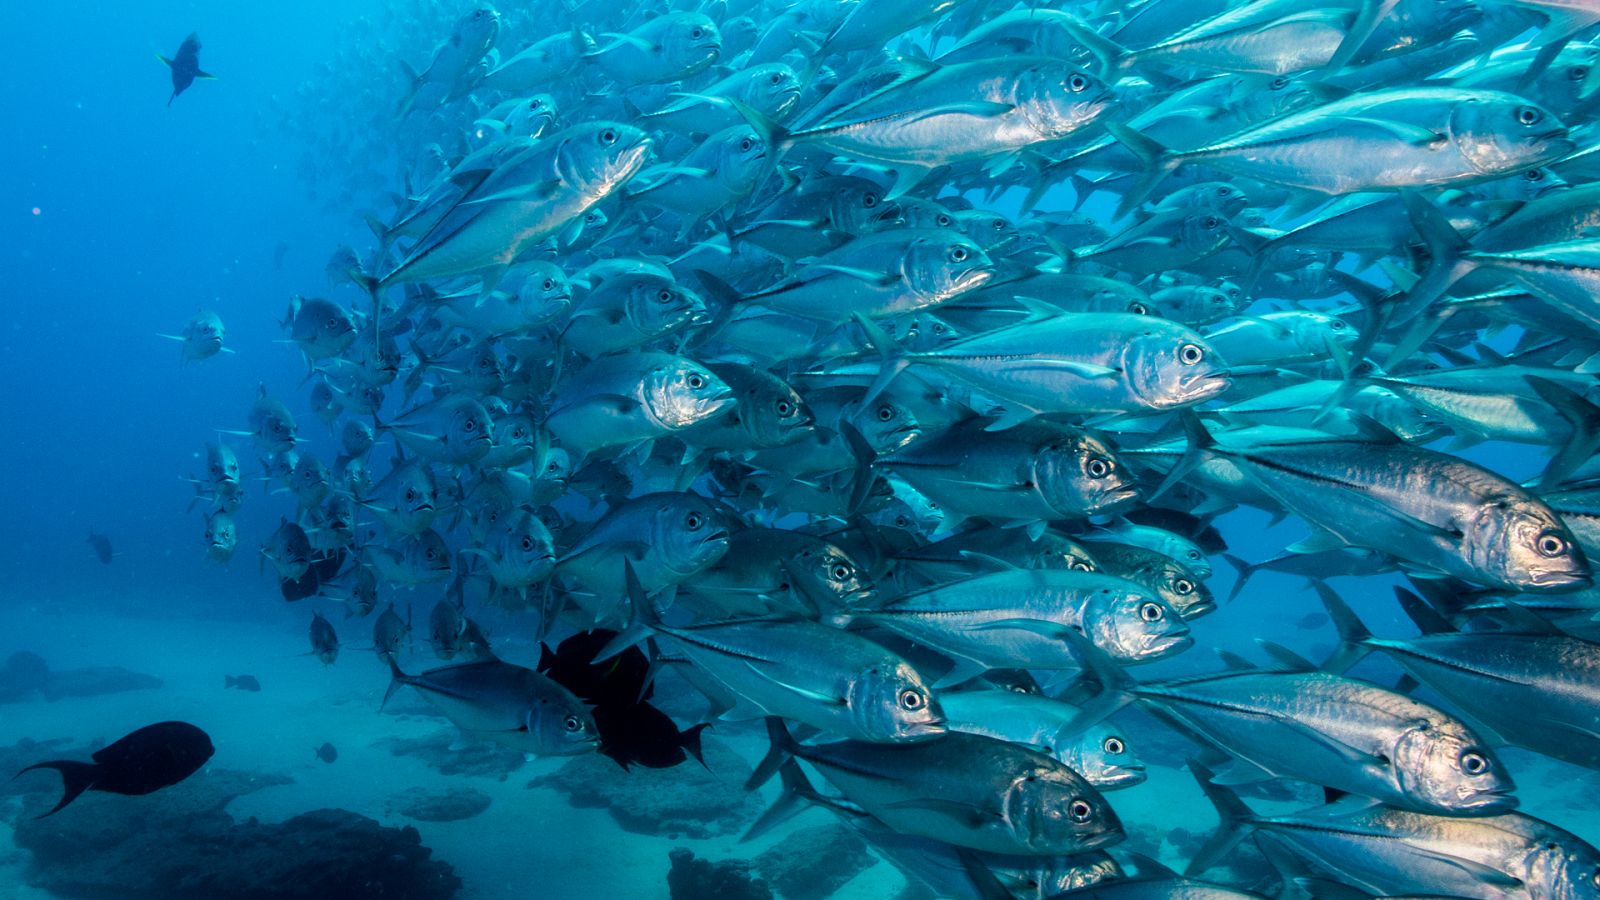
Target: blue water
point(121, 217)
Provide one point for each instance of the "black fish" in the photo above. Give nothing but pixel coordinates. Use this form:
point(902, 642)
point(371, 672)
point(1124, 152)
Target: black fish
point(639, 734)
point(327, 752)
point(101, 545)
point(242, 682)
point(321, 570)
point(185, 66)
point(154, 757)
point(618, 680)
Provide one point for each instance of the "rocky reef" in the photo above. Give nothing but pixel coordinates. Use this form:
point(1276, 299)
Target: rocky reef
point(692, 878)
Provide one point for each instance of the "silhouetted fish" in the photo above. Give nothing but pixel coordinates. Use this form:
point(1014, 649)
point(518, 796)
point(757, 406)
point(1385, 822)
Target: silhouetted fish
point(154, 757)
point(639, 734)
point(324, 641)
point(242, 682)
point(185, 66)
point(618, 680)
point(101, 545)
point(327, 752)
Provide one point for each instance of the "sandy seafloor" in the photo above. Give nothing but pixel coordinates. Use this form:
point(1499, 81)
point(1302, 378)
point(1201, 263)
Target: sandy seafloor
point(530, 842)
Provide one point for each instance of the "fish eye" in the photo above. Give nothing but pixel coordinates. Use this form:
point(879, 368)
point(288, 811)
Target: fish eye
point(1578, 73)
point(777, 78)
point(1211, 222)
point(1529, 115)
point(1474, 763)
point(885, 413)
point(697, 33)
point(1113, 745)
point(696, 381)
point(785, 407)
point(1224, 191)
point(608, 136)
point(1099, 467)
point(746, 144)
point(664, 295)
point(1279, 83)
point(469, 425)
point(431, 554)
point(1552, 544)
point(1190, 354)
point(527, 543)
point(1077, 83)
point(912, 699)
point(1081, 811)
point(1534, 175)
point(1183, 586)
point(840, 571)
point(572, 724)
point(957, 254)
point(1139, 309)
point(943, 221)
point(694, 520)
point(1152, 612)
point(902, 522)
point(411, 495)
point(869, 200)
point(1337, 325)
point(549, 284)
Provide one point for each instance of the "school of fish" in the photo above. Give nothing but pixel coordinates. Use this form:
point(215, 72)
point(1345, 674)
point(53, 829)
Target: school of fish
point(772, 346)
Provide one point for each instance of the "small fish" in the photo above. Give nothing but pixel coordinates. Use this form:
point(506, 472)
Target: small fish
point(185, 66)
point(202, 338)
point(102, 547)
point(241, 682)
point(327, 753)
point(324, 642)
point(154, 757)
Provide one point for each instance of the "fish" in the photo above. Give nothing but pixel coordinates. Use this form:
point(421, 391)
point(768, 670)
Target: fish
point(202, 337)
point(142, 762)
point(242, 682)
point(101, 546)
point(327, 753)
point(324, 641)
point(965, 789)
point(508, 704)
point(387, 632)
point(1391, 852)
point(185, 66)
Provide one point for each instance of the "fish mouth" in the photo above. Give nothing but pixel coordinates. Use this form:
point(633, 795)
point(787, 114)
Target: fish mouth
point(1125, 776)
point(929, 729)
point(1167, 644)
point(1497, 800)
point(1557, 582)
point(1100, 839)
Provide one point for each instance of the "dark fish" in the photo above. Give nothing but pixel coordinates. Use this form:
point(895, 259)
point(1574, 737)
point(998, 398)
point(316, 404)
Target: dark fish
point(101, 545)
point(639, 734)
point(185, 66)
point(324, 642)
point(154, 757)
point(619, 680)
point(327, 752)
point(242, 682)
point(321, 570)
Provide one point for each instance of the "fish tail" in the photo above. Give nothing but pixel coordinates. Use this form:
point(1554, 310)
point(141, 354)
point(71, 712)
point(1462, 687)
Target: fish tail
point(643, 622)
point(1242, 572)
point(1236, 820)
point(894, 359)
point(1353, 635)
point(397, 678)
point(229, 681)
point(797, 792)
point(1447, 249)
point(1585, 420)
point(781, 751)
point(1159, 162)
point(76, 777)
point(1201, 446)
point(1422, 614)
point(689, 739)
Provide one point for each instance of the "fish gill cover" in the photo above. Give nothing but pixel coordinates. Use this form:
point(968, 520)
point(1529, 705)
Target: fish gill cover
point(849, 401)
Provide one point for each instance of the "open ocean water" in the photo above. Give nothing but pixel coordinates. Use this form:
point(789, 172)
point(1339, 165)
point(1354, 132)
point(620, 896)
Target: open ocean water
point(125, 215)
